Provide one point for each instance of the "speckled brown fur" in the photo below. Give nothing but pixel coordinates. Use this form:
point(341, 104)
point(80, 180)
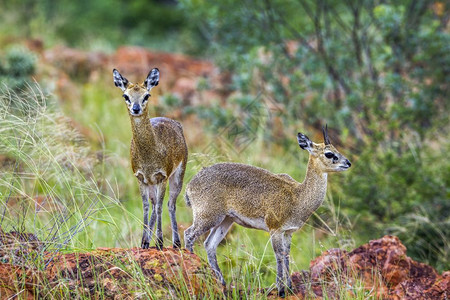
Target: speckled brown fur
point(256, 198)
point(149, 154)
point(158, 155)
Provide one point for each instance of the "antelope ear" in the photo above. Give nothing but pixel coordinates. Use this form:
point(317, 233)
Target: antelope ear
point(152, 79)
point(304, 142)
point(120, 81)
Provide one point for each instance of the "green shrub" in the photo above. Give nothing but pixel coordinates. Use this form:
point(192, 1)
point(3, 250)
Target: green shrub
point(17, 66)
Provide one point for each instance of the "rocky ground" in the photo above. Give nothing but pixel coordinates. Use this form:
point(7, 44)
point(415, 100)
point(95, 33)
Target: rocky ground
point(380, 268)
point(29, 271)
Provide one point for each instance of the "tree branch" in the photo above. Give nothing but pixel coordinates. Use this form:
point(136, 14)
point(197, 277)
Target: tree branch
point(332, 72)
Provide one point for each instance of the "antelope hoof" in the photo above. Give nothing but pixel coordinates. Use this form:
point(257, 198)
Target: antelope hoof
point(281, 293)
point(159, 245)
point(145, 244)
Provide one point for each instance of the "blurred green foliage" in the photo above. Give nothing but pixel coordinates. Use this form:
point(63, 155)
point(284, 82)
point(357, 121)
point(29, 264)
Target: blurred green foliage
point(377, 72)
point(103, 24)
point(17, 65)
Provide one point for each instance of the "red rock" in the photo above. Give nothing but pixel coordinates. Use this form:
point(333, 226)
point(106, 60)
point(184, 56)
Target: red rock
point(17, 247)
point(185, 88)
point(107, 273)
point(180, 73)
point(330, 263)
point(132, 61)
point(35, 45)
point(194, 81)
point(381, 266)
point(75, 62)
point(17, 281)
point(168, 273)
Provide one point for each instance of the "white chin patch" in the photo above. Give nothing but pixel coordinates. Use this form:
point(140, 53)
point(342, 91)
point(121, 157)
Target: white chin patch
point(136, 115)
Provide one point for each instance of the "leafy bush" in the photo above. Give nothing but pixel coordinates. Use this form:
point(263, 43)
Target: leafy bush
point(16, 67)
point(103, 24)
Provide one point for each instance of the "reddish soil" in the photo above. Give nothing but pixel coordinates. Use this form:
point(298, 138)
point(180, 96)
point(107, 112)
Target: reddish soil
point(379, 269)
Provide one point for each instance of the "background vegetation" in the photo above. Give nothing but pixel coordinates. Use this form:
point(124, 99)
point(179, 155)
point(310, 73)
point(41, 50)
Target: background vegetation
point(377, 72)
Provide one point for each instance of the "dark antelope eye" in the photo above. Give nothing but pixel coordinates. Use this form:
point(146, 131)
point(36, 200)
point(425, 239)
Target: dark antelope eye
point(146, 97)
point(329, 155)
point(127, 99)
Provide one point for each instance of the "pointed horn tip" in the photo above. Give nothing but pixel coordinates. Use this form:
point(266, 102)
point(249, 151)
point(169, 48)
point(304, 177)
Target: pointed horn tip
point(325, 134)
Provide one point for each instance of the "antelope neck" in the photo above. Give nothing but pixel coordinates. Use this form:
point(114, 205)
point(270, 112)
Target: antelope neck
point(143, 134)
point(315, 185)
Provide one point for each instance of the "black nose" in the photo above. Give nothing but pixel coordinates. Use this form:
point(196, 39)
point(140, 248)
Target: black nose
point(348, 163)
point(136, 109)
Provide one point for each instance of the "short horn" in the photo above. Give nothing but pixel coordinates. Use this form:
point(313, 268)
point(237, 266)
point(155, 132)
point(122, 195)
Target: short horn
point(325, 135)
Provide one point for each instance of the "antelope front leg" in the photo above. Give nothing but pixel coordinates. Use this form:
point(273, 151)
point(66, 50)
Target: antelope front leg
point(287, 248)
point(146, 235)
point(175, 185)
point(278, 247)
point(160, 191)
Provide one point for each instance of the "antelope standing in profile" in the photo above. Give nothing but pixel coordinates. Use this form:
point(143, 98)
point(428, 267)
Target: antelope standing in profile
point(225, 193)
point(158, 154)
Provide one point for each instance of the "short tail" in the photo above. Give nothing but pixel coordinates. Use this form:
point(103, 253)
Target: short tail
point(186, 198)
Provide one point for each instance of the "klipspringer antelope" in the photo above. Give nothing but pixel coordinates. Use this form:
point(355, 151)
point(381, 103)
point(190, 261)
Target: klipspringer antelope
point(225, 193)
point(158, 154)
